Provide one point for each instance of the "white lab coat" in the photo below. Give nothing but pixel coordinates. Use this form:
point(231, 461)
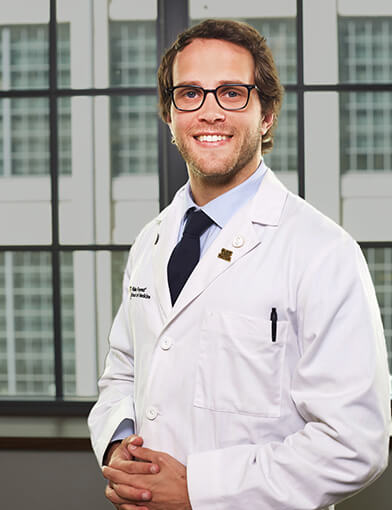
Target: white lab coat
point(295, 424)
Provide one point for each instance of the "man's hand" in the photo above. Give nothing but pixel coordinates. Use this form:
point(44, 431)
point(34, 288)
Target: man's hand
point(121, 460)
point(167, 488)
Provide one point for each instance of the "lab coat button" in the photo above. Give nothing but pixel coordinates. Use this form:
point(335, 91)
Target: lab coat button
point(166, 343)
point(151, 413)
point(238, 242)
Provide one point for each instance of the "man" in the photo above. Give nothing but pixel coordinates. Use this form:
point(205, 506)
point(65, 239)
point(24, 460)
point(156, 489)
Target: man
point(248, 353)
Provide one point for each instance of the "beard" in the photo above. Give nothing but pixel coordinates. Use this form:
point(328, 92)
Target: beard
point(228, 167)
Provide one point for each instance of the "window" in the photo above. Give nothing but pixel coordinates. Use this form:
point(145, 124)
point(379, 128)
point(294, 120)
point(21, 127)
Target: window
point(71, 206)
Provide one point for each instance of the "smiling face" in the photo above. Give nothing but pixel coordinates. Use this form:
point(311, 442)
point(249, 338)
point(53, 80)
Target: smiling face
point(221, 148)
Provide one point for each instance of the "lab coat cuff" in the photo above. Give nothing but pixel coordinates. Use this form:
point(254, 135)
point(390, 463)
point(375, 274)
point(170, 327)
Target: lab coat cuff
point(120, 412)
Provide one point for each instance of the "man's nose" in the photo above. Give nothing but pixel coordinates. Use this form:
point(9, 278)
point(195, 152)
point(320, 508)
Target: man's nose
point(211, 111)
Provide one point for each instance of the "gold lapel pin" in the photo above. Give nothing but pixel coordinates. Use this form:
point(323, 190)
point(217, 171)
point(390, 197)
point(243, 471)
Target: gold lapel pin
point(225, 255)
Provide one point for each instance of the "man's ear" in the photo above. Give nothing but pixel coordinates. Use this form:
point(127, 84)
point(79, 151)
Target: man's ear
point(267, 122)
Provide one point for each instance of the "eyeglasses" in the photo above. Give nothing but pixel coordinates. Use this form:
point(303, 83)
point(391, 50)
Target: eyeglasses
point(231, 96)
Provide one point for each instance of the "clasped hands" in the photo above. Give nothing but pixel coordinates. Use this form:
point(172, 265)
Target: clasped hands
point(144, 479)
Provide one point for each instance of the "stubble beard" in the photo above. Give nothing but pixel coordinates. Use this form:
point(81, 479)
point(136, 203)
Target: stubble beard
point(231, 167)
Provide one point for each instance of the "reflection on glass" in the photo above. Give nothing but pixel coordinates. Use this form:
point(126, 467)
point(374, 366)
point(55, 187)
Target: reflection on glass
point(134, 136)
point(380, 265)
point(281, 37)
point(64, 136)
point(63, 55)
point(26, 324)
point(24, 137)
point(284, 153)
point(24, 170)
point(365, 49)
point(133, 52)
point(82, 308)
point(365, 131)
point(68, 323)
point(24, 53)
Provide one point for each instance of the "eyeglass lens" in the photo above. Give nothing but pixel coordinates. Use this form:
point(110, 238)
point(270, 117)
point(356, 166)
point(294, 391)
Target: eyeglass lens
point(231, 97)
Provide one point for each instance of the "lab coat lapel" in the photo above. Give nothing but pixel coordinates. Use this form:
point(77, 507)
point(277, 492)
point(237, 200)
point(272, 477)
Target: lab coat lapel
point(241, 235)
point(167, 234)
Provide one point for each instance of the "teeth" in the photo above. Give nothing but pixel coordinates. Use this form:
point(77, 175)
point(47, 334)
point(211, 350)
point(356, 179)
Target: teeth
point(211, 138)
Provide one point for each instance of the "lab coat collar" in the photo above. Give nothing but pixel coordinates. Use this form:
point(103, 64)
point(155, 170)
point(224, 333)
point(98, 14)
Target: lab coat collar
point(264, 209)
point(268, 203)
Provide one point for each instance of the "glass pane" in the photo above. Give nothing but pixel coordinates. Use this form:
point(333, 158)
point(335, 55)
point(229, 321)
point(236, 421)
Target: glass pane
point(109, 181)
point(24, 171)
point(284, 154)
point(106, 43)
point(366, 164)
point(134, 139)
point(276, 21)
point(68, 323)
point(24, 44)
point(63, 55)
point(26, 324)
point(133, 52)
point(366, 132)
point(91, 292)
point(134, 163)
point(380, 266)
point(64, 136)
point(365, 46)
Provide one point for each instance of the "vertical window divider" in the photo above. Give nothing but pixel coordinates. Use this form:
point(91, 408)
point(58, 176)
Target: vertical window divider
point(55, 252)
point(300, 100)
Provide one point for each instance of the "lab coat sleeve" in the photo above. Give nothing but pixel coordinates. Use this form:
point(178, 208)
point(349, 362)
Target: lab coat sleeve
point(340, 387)
point(115, 402)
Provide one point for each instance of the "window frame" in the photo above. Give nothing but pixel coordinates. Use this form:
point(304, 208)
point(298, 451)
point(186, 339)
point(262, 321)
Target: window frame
point(171, 171)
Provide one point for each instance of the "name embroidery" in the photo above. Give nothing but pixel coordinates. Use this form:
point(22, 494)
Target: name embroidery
point(139, 292)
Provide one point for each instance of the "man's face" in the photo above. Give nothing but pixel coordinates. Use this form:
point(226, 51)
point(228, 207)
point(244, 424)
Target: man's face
point(209, 63)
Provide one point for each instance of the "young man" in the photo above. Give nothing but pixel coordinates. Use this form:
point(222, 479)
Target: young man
point(248, 353)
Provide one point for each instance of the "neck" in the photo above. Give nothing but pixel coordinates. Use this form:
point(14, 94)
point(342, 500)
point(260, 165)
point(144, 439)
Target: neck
point(207, 188)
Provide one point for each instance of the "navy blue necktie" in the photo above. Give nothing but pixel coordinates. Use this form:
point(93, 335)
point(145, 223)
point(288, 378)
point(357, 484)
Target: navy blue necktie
point(186, 254)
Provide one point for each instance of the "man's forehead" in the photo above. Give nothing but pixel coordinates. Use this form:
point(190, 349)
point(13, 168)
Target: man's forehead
point(212, 55)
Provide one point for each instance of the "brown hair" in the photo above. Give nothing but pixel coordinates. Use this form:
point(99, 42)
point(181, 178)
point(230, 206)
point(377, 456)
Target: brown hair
point(242, 34)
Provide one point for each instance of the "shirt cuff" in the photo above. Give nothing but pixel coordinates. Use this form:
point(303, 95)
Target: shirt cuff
point(125, 429)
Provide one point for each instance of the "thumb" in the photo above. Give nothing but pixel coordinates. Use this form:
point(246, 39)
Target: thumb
point(134, 440)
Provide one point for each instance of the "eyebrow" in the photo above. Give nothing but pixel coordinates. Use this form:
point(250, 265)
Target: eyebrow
point(221, 82)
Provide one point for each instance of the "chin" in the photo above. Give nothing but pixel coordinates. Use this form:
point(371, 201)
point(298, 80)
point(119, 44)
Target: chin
point(214, 175)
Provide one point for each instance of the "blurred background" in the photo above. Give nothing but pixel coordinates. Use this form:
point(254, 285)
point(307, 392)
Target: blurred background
point(85, 163)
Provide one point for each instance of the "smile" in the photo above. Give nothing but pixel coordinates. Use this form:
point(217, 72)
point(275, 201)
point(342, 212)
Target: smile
point(212, 138)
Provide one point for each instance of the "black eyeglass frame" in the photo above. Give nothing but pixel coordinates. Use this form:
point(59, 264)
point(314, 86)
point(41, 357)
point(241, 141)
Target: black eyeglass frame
point(213, 91)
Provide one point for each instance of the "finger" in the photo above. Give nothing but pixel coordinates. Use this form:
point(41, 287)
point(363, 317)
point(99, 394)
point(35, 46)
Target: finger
point(133, 467)
point(133, 439)
point(113, 497)
point(132, 507)
point(146, 454)
point(131, 494)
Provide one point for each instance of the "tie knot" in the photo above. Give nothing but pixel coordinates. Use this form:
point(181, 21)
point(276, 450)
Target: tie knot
point(197, 223)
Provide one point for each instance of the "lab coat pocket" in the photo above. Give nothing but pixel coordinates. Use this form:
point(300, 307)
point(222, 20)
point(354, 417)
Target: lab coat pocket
point(240, 367)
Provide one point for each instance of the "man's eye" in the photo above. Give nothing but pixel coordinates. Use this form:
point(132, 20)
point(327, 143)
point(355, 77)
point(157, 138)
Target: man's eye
point(188, 93)
point(191, 94)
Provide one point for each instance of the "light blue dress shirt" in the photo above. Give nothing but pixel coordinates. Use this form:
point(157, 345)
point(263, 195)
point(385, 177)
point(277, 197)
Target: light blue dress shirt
point(221, 209)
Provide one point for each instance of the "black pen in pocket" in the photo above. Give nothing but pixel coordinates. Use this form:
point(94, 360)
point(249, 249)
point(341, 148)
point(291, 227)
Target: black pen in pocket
point(273, 319)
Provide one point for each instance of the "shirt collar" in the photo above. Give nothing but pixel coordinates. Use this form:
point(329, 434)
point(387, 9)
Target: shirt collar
point(223, 207)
